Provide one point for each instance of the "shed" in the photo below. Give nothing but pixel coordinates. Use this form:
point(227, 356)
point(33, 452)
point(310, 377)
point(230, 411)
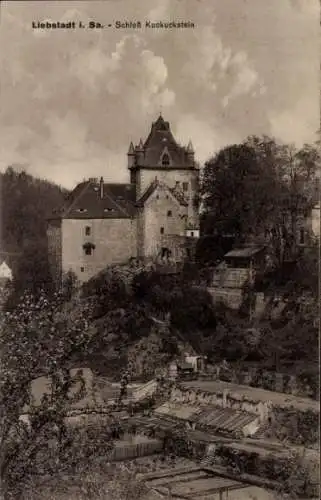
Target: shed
point(247, 257)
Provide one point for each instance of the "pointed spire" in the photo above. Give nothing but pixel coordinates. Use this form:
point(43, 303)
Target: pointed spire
point(141, 144)
point(131, 149)
point(190, 148)
point(160, 123)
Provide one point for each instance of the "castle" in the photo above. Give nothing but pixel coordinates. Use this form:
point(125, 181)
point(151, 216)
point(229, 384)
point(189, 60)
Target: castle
point(153, 216)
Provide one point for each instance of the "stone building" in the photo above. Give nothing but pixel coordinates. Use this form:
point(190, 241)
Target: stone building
point(154, 215)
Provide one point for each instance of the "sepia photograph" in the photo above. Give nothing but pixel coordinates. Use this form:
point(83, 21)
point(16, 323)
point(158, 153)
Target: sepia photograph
point(160, 167)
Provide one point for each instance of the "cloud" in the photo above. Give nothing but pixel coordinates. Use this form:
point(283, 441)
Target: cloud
point(246, 80)
point(72, 101)
point(200, 132)
point(288, 125)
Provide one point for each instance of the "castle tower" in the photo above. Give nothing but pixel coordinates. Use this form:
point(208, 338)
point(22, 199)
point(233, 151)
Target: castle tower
point(160, 155)
point(166, 209)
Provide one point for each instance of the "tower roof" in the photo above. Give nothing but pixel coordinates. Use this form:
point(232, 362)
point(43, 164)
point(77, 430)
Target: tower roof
point(161, 139)
point(160, 124)
point(190, 148)
point(131, 149)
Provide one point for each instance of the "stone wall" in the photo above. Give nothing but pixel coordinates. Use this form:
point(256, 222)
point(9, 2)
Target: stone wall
point(157, 208)
point(231, 277)
point(168, 177)
point(114, 240)
point(233, 298)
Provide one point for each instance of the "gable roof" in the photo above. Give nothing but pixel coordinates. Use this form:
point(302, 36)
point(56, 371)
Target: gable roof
point(85, 202)
point(179, 197)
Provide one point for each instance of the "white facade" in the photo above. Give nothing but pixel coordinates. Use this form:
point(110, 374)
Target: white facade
point(5, 271)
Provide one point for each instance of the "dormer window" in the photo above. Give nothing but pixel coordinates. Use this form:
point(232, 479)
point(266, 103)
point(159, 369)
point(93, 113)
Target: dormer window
point(82, 210)
point(169, 213)
point(106, 210)
point(165, 160)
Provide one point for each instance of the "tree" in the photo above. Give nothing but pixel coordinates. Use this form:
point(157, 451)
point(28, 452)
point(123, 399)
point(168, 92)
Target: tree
point(32, 273)
point(39, 336)
point(260, 188)
point(26, 202)
point(237, 192)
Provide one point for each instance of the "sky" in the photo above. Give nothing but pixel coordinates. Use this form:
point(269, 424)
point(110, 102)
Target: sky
point(72, 100)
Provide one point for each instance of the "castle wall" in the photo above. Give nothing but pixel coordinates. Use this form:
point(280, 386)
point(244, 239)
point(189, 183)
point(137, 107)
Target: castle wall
point(140, 228)
point(170, 177)
point(114, 240)
point(156, 217)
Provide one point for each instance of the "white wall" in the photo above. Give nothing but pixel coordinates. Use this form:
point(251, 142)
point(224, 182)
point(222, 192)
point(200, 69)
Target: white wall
point(114, 240)
point(5, 271)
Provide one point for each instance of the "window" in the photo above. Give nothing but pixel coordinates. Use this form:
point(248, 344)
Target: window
point(87, 230)
point(82, 210)
point(161, 230)
point(301, 236)
point(165, 160)
point(192, 233)
point(185, 186)
point(165, 253)
point(169, 213)
point(82, 269)
point(88, 248)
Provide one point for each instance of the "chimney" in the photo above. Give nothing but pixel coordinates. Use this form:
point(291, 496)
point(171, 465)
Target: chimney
point(101, 186)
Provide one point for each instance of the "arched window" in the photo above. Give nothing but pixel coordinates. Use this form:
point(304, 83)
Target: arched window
point(165, 160)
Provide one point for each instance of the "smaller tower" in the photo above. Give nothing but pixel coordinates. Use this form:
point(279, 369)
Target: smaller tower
point(190, 153)
point(139, 152)
point(131, 155)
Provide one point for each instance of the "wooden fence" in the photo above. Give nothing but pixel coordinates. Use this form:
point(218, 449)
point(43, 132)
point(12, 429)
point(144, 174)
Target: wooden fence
point(128, 450)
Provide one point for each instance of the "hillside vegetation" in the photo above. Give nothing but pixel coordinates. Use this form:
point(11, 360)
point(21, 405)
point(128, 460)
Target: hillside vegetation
point(26, 202)
point(130, 306)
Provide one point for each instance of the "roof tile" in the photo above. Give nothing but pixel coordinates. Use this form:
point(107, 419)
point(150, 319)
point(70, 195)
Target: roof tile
point(84, 202)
